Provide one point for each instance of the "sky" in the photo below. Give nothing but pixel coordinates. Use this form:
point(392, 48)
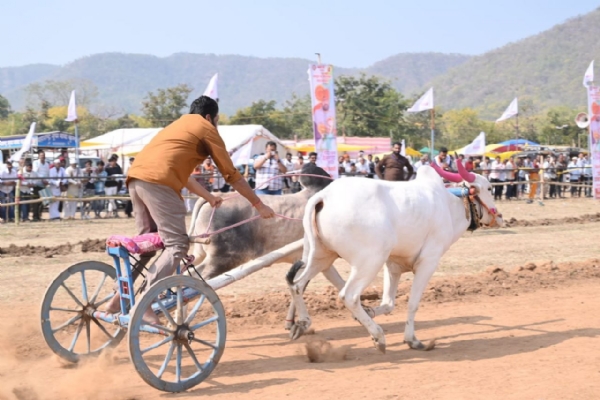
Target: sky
point(347, 33)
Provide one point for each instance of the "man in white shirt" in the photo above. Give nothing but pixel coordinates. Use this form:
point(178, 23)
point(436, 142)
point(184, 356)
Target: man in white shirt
point(41, 166)
point(497, 172)
point(289, 165)
point(268, 166)
point(362, 168)
point(28, 184)
point(443, 160)
point(574, 176)
point(424, 160)
point(57, 177)
point(8, 182)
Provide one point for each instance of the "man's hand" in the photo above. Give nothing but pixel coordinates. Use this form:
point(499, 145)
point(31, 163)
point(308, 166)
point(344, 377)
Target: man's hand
point(265, 211)
point(215, 201)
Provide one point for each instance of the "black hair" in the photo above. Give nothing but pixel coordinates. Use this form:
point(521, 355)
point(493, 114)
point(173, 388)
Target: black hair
point(288, 154)
point(443, 149)
point(41, 151)
point(397, 143)
point(88, 162)
point(28, 163)
point(100, 163)
point(312, 153)
point(271, 143)
point(204, 106)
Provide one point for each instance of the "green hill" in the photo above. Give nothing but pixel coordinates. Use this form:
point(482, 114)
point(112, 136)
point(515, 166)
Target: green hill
point(124, 79)
point(545, 70)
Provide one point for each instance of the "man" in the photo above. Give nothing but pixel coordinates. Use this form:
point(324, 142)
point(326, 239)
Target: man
point(424, 160)
point(391, 167)
point(88, 188)
point(74, 185)
point(587, 175)
point(443, 160)
point(162, 169)
point(298, 166)
point(113, 184)
point(41, 167)
point(371, 166)
point(28, 183)
point(57, 179)
point(561, 167)
point(575, 176)
point(7, 190)
point(362, 168)
point(99, 182)
point(267, 167)
point(312, 157)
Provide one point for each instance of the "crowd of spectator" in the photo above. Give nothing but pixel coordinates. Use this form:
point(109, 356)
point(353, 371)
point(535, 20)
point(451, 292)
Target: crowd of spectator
point(512, 178)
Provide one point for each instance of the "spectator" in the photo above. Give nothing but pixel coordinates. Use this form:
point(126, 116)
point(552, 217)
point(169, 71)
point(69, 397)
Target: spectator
point(534, 178)
point(298, 166)
point(41, 166)
point(495, 177)
point(57, 180)
point(549, 167)
point(469, 164)
point(268, 166)
point(391, 167)
point(587, 175)
point(362, 168)
point(26, 188)
point(485, 167)
point(113, 183)
point(74, 185)
point(424, 160)
point(207, 170)
point(511, 188)
point(99, 188)
point(87, 183)
point(443, 160)
point(312, 157)
point(561, 167)
point(7, 191)
point(289, 166)
point(371, 166)
point(575, 176)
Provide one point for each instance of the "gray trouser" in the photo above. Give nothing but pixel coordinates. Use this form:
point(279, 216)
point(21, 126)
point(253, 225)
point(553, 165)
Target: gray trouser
point(159, 208)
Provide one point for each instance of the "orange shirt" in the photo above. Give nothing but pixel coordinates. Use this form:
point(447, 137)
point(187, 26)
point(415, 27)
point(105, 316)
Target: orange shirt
point(171, 156)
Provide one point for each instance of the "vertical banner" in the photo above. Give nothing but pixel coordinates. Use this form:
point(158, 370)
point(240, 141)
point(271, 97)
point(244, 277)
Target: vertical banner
point(594, 136)
point(323, 114)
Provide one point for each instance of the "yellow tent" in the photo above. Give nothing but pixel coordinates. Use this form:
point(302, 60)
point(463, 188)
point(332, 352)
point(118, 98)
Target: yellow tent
point(340, 147)
point(507, 154)
point(489, 150)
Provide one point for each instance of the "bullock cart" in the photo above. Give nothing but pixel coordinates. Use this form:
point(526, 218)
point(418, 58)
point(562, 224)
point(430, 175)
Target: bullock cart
point(173, 355)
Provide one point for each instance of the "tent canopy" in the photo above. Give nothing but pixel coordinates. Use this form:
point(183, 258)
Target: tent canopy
point(306, 147)
point(126, 141)
point(428, 151)
point(519, 142)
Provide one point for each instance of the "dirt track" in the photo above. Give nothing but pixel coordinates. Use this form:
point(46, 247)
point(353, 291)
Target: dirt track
point(514, 313)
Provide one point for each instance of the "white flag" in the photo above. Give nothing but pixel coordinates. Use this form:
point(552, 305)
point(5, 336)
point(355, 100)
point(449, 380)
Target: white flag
point(72, 110)
point(403, 150)
point(589, 75)
point(211, 89)
point(511, 111)
point(477, 146)
point(424, 103)
point(26, 144)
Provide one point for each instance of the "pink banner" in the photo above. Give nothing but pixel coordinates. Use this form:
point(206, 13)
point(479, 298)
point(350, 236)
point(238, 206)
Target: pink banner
point(323, 113)
point(594, 136)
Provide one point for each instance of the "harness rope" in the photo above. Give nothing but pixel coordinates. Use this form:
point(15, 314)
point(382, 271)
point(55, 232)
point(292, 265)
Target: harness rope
point(208, 234)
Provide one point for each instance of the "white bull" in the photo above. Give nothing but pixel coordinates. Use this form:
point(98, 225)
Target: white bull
point(407, 225)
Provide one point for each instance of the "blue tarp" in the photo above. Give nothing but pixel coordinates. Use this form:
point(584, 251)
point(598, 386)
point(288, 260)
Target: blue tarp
point(48, 140)
point(519, 142)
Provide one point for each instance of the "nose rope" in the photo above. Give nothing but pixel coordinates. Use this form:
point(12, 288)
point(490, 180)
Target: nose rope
point(208, 234)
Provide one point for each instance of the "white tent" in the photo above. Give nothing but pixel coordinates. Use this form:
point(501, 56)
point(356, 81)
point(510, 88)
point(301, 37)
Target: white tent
point(242, 141)
point(121, 141)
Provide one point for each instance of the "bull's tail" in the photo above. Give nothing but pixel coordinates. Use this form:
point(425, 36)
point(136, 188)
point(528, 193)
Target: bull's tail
point(195, 213)
point(311, 234)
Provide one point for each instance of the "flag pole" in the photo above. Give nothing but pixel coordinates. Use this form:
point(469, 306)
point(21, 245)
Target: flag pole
point(517, 125)
point(432, 116)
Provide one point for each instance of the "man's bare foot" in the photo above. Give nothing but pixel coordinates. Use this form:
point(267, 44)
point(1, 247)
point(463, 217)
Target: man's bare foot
point(113, 305)
point(150, 317)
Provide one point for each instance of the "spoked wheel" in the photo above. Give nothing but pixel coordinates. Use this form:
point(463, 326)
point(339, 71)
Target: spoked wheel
point(67, 307)
point(192, 330)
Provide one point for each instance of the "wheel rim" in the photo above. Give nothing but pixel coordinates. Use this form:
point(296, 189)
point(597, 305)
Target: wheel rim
point(191, 339)
point(66, 315)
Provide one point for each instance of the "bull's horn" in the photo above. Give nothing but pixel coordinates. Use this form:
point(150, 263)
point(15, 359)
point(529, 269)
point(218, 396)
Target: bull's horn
point(449, 176)
point(466, 175)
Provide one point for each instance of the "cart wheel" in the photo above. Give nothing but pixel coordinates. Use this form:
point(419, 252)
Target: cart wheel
point(67, 306)
point(194, 334)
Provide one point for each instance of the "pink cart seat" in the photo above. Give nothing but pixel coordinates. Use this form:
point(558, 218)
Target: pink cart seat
point(140, 244)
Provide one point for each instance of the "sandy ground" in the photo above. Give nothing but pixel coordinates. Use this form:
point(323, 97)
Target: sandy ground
point(514, 312)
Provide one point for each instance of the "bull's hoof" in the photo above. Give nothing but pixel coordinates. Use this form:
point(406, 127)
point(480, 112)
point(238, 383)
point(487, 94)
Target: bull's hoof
point(288, 325)
point(417, 345)
point(297, 330)
point(379, 345)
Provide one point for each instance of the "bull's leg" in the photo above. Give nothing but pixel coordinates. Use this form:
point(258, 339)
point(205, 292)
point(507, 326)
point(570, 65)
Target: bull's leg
point(297, 285)
point(333, 277)
point(391, 277)
point(424, 269)
point(350, 294)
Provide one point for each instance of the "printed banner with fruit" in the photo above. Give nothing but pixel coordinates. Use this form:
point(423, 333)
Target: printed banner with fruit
point(323, 113)
point(594, 136)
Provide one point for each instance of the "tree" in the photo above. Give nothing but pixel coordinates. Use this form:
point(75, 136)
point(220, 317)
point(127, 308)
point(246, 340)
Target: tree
point(166, 105)
point(4, 107)
point(263, 113)
point(58, 93)
point(298, 117)
point(368, 106)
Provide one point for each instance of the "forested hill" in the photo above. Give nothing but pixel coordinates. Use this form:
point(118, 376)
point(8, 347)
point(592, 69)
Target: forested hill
point(123, 80)
point(544, 70)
